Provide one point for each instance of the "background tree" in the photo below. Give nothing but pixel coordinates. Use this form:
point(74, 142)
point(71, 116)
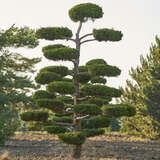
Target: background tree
point(79, 97)
point(15, 85)
point(144, 94)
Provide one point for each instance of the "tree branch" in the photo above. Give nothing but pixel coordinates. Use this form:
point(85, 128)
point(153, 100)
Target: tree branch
point(89, 40)
point(79, 29)
point(90, 34)
point(70, 39)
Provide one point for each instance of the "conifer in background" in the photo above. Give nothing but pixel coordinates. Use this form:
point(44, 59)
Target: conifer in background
point(143, 93)
point(15, 84)
point(78, 97)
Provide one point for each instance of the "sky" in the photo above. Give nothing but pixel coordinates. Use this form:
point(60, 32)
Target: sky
point(137, 19)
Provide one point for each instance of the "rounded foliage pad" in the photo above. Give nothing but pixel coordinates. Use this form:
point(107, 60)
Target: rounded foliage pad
point(119, 110)
point(98, 80)
point(107, 34)
point(83, 78)
point(96, 122)
point(96, 61)
point(61, 87)
point(55, 129)
point(60, 52)
point(73, 138)
point(47, 77)
point(52, 104)
point(34, 116)
point(53, 33)
point(84, 11)
point(61, 70)
point(104, 70)
point(100, 91)
point(93, 132)
point(84, 109)
point(41, 94)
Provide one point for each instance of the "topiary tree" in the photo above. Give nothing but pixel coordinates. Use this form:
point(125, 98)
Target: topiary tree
point(78, 97)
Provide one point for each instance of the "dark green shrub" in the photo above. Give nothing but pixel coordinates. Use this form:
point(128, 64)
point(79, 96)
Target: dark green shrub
point(92, 132)
point(65, 119)
point(73, 138)
point(118, 110)
point(65, 99)
point(52, 104)
point(63, 53)
point(83, 69)
point(53, 33)
point(96, 122)
point(34, 116)
point(98, 80)
point(87, 10)
point(96, 61)
point(42, 94)
point(61, 70)
point(100, 91)
point(83, 78)
point(61, 87)
point(105, 34)
point(98, 101)
point(55, 129)
point(104, 70)
point(83, 109)
point(47, 77)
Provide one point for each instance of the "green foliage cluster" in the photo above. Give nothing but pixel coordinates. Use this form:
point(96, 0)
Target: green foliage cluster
point(100, 91)
point(67, 119)
point(9, 123)
point(84, 109)
point(98, 79)
point(73, 138)
point(118, 110)
point(34, 116)
point(15, 84)
point(47, 77)
point(83, 78)
point(143, 94)
point(53, 33)
point(83, 69)
point(93, 132)
point(96, 61)
point(104, 70)
point(98, 101)
point(96, 122)
point(61, 70)
point(107, 34)
point(61, 53)
point(84, 11)
point(52, 104)
point(42, 94)
point(55, 129)
point(65, 99)
point(18, 37)
point(61, 87)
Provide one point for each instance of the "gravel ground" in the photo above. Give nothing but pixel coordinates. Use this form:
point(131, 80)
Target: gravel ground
point(108, 147)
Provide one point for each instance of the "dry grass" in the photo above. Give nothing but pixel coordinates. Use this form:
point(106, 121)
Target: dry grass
point(109, 147)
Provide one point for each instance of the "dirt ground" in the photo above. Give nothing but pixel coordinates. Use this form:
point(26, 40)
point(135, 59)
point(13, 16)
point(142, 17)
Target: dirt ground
point(108, 147)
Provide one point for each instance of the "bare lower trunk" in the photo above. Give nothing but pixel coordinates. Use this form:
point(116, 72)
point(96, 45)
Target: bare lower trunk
point(77, 152)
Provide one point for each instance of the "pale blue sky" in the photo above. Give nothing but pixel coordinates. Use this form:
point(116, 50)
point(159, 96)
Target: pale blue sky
point(137, 19)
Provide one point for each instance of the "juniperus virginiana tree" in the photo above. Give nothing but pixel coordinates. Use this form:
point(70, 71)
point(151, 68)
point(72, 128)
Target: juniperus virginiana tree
point(80, 103)
point(143, 93)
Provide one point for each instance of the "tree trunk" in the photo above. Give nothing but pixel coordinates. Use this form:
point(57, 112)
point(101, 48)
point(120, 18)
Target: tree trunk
point(77, 123)
point(77, 152)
